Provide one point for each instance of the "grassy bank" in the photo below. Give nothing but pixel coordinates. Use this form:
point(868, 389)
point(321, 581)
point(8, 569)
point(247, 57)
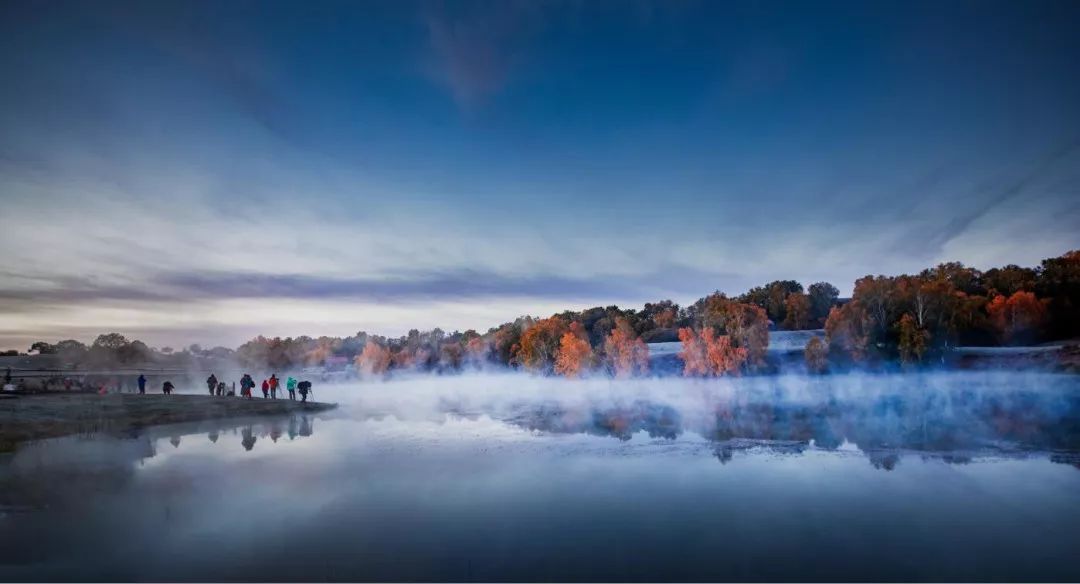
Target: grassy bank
point(33, 417)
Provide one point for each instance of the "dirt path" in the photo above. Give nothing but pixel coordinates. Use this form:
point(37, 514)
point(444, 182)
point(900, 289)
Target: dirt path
point(32, 417)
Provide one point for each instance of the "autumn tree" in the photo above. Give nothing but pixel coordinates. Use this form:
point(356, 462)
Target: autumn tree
point(748, 327)
point(373, 360)
point(625, 353)
point(723, 357)
point(772, 297)
point(707, 354)
point(575, 354)
point(816, 355)
point(848, 329)
point(477, 350)
point(506, 340)
point(451, 355)
point(799, 311)
point(693, 355)
point(914, 340)
point(876, 299)
point(1010, 279)
point(1018, 318)
point(540, 343)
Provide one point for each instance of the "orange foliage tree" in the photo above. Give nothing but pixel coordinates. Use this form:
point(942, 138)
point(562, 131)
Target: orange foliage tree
point(575, 354)
point(816, 354)
point(914, 340)
point(540, 343)
point(723, 357)
point(748, 327)
point(798, 310)
point(693, 353)
point(706, 354)
point(477, 350)
point(1018, 318)
point(626, 353)
point(848, 328)
point(373, 360)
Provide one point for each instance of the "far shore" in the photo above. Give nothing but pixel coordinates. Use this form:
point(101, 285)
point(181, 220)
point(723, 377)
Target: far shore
point(49, 415)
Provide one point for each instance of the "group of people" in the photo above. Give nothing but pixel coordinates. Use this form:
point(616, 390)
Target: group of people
point(247, 384)
point(269, 387)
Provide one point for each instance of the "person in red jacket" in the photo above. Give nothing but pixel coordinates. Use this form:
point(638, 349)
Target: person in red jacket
point(266, 389)
point(273, 385)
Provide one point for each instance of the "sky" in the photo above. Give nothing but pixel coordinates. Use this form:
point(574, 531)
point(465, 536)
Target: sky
point(203, 172)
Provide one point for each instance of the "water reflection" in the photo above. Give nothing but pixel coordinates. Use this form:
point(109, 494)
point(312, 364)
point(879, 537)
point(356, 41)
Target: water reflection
point(248, 441)
point(56, 471)
point(595, 492)
point(954, 427)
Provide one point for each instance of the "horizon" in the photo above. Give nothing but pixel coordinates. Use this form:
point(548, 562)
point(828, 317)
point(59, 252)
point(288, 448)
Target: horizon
point(206, 173)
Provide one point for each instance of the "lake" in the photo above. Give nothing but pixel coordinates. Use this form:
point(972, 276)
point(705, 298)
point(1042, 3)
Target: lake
point(934, 476)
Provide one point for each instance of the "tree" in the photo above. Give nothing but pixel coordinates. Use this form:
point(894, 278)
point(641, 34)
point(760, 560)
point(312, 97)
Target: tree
point(772, 298)
point(707, 354)
point(1010, 279)
point(823, 297)
point(1018, 318)
point(452, 355)
point(960, 277)
point(693, 355)
point(71, 351)
point(799, 311)
point(816, 355)
point(540, 344)
point(748, 327)
point(876, 298)
point(913, 339)
point(626, 354)
point(1059, 283)
point(373, 360)
point(575, 353)
point(723, 357)
point(477, 350)
point(111, 341)
point(848, 329)
point(42, 348)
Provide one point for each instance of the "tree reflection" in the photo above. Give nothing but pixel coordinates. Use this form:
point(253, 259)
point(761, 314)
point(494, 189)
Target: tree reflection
point(949, 424)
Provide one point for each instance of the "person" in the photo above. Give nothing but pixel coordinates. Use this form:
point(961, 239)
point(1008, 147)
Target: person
point(291, 386)
point(232, 390)
point(167, 388)
point(246, 385)
point(7, 376)
point(266, 389)
point(142, 383)
point(211, 383)
point(273, 385)
point(304, 387)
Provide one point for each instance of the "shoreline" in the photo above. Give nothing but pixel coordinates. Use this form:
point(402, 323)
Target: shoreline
point(30, 417)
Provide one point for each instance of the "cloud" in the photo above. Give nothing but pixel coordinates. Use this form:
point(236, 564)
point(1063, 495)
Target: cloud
point(459, 284)
point(476, 48)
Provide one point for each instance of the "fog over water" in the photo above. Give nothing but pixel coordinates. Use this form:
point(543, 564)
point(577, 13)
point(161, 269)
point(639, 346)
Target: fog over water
point(930, 476)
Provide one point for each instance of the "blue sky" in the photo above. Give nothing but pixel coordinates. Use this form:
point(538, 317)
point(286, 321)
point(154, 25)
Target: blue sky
point(203, 172)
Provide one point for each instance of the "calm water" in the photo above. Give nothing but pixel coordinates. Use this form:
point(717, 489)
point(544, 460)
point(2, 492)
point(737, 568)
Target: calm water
point(943, 477)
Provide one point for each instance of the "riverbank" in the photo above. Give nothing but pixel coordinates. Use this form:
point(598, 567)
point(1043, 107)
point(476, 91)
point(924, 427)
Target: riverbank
point(34, 417)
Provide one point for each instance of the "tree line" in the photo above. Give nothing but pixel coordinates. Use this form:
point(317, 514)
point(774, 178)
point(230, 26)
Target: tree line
point(912, 318)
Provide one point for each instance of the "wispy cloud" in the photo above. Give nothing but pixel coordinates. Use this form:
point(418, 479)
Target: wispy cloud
point(477, 45)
